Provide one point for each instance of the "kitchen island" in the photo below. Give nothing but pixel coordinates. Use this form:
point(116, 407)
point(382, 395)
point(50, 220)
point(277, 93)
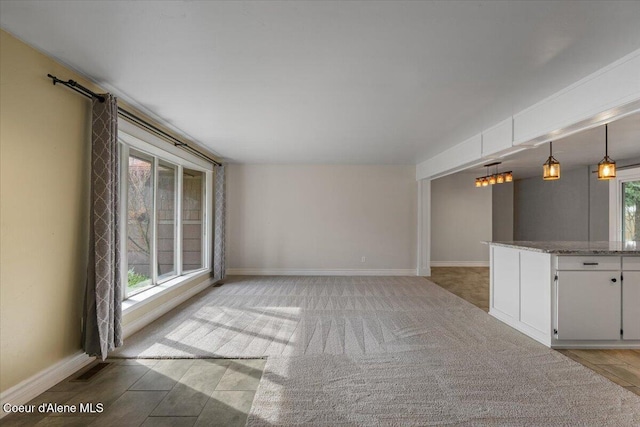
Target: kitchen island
point(568, 294)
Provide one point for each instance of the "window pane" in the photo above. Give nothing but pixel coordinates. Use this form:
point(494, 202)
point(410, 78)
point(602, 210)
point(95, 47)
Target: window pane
point(140, 205)
point(166, 220)
point(631, 211)
point(192, 219)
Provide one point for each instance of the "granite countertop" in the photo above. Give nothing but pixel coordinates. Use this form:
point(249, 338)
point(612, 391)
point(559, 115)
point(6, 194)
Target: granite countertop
point(575, 248)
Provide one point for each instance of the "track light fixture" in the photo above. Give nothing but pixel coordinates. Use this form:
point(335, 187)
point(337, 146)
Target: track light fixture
point(494, 178)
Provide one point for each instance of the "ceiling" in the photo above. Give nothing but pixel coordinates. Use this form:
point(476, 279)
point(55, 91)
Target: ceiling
point(580, 149)
point(329, 82)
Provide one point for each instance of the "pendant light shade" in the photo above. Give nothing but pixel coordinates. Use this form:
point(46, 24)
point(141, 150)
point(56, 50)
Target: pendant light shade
point(606, 167)
point(508, 177)
point(551, 168)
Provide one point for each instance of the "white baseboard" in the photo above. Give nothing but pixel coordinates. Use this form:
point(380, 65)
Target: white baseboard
point(129, 328)
point(459, 263)
point(424, 272)
point(42, 381)
point(318, 272)
point(26, 390)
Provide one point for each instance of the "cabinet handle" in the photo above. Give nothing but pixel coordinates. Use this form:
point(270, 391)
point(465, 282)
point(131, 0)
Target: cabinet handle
point(589, 263)
point(614, 280)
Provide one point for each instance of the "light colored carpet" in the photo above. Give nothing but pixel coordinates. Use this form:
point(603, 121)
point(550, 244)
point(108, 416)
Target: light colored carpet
point(382, 351)
point(258, 316)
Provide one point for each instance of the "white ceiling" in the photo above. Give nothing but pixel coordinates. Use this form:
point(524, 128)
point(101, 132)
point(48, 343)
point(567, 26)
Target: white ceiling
point(330, 82)
point(580, 149)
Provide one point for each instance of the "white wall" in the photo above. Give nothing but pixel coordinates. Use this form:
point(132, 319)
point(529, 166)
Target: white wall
point(460, 219)
point(321, 218)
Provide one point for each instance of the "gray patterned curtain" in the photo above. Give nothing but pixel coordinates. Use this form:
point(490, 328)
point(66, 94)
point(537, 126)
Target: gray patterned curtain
point(220, 204)
point(103, 298)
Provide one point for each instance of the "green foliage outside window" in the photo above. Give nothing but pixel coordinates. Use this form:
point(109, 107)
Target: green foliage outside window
point(632, 211)
point(135, 278)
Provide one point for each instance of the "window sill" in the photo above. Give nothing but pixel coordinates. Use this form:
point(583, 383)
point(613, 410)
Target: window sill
point(145, 297)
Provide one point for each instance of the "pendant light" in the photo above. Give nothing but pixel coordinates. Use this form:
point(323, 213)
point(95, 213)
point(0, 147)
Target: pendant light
point(494, 178)
point(551, 168)
point(606, 167)
point(508, 177)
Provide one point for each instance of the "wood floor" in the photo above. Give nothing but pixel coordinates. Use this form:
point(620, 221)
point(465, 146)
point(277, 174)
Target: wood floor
point(472, 284)
point(151, 392)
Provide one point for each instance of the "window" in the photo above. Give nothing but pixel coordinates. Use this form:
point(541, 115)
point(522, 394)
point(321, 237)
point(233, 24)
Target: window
point(624, 207)
point(192, 216)
point(139, 221)
point(631, 211)
point(166, 224)
point(166, 198)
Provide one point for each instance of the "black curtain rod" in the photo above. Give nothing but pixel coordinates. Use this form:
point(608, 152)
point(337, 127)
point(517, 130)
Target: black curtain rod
point(72, 84)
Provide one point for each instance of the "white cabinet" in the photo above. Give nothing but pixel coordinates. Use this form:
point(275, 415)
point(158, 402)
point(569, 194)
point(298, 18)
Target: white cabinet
point(505, 281)
point(497, 138)
point(631, 305)
point(567, 301)
point(589, 305)
point(571, 262)
point(598, 305)
point(535, 309)
point(519, 296)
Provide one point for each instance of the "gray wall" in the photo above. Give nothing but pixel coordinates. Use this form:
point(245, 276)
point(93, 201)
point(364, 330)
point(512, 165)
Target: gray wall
point(575, 207)
point(460, 221)
point(502, 212)
point(598, 208)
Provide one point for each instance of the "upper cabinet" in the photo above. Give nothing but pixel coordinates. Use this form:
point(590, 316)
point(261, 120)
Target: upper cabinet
point(497, 138)
point(598, 97)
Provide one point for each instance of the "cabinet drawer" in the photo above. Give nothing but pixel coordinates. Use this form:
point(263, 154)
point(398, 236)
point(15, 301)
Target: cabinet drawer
point(588, 262)
point(631, 263)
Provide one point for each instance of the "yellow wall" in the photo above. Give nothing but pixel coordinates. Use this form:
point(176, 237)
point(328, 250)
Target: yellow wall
point(44, 205)
point(44, 185)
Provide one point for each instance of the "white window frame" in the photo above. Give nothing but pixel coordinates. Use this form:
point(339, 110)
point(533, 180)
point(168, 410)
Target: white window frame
point(152, 218)
point(132, 137)
point(616, 200)
point(177, 262)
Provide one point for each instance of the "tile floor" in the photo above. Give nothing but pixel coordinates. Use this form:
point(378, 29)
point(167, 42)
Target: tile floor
point(145, 392)
point(472, 284)
point(469, 283)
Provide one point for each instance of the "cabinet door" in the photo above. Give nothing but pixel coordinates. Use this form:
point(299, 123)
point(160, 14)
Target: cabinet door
point(505, 280)
point(535, 290)
point(589, 305)
point(631, 305)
